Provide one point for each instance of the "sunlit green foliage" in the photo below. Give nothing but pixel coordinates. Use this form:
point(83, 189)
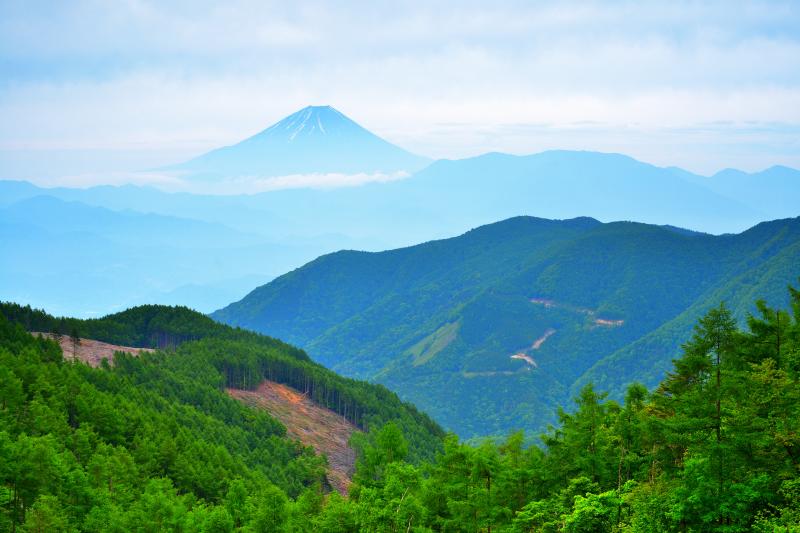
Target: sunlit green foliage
point(714, 448)
point(154, 444)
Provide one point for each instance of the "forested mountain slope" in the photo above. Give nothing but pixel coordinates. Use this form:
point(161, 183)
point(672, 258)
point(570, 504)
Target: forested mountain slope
point(327, 432)
point(714, 448)
point(221, 356)
point(153, 444)
point(491, 330)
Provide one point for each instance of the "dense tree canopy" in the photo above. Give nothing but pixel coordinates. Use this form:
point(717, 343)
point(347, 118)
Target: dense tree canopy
point(716, 447)
point(153, 444)
point(445, 323)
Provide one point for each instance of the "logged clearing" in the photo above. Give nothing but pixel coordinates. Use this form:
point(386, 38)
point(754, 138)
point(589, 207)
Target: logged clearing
point(430, 346)
point(490, 373)
point(322, 429)
point(609, 323)
point(89, 351)
point(538, 342)
point(525, 357)
point(597, 321)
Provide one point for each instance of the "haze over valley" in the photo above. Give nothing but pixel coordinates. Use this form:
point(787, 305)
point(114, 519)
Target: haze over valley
point(206, 250)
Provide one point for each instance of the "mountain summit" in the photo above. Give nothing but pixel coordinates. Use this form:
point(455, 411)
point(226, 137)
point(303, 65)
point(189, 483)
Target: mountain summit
point(316, 139)
point(311, 121)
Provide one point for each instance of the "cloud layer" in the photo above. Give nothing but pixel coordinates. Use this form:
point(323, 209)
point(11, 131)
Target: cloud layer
point(700, 85)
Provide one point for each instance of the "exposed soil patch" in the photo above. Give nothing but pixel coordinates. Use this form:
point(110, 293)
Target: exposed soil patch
point(322, 429)
point(558, 305)
point(489, 373)
point(538, 342)
point(430, 346)
point(89, 351)
point(525, 357)
point(609, 323)
point(552, 304)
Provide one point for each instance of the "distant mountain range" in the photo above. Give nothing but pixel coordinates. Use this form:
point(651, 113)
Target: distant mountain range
point(316, 139)
point(490, 331)
point(563, 184)
point(775, 190)
point(450, 197)
point(207, 250)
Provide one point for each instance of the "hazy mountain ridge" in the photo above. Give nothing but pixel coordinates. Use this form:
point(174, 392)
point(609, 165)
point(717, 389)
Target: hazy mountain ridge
point(777, 187)
point(127, 226)
point(564, 184)
point(235, 239)
point(66, 255)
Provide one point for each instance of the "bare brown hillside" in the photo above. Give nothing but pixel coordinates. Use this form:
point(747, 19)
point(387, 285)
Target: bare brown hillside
point(88, 350)
point(322, 429)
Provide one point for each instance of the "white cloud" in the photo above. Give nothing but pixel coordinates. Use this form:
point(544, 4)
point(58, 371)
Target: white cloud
point(179, 182)
point(175, 80)
point(254, 184)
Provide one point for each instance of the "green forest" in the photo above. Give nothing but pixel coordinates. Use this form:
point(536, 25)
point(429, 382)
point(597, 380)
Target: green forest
point(439, 322)
point(153, 443)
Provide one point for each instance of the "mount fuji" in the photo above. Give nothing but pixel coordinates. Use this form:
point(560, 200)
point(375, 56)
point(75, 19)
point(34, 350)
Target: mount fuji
point(316, 139)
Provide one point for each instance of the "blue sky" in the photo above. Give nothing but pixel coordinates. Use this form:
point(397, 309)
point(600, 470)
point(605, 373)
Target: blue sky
point(91, 90)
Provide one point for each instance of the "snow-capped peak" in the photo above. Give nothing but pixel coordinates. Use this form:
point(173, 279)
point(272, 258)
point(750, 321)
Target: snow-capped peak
point(315, 139)
point(309, 121)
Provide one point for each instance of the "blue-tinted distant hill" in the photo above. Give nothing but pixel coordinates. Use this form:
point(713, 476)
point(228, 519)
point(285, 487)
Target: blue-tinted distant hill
point(776, 189)
point(449, 197)
point(490, 331)
point(67, 256)
point(446, 198)
point(126, 227)
point(563, 184)
point(316, 139)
